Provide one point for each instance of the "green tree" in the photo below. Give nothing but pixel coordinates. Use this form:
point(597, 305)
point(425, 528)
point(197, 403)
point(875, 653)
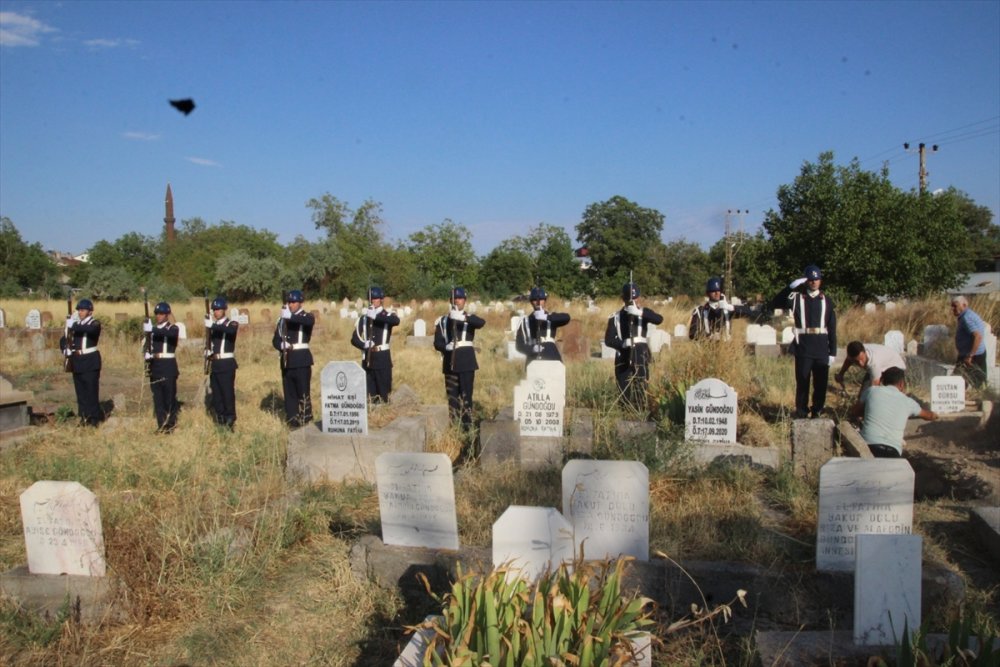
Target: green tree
point(139, 255)
point(620, 235)
point(505, 271)
point(984, 235)
point(443, 256)
point(243, 277)
point(23, 266)
point(754, 268)
point(111, 283)
point(544, 256)
point(676, 268)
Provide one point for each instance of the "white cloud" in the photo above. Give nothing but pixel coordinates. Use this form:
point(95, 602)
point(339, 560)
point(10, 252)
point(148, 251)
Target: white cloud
point(110, 43)
point(140, 136)
point(21, 30)
point(205, 162)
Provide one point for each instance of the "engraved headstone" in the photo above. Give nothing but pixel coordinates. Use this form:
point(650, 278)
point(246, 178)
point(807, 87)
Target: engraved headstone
point(947, 394)
point(894, 340)
point(3, 318)
point(680, 331)
point(890, 306)
point(710, 412)
point(33, 320)
point(531, 541)
point(344, 398)
point(62, 529)
point(419, 328)
point(416, 499)
point(607, 352)
point(887, 587)
point(234, 314)
point(869, 307)
point(658, 339)
point(751, 334)
point(860, 497)
point(767, 335)
point(244, 317)
point(513, 354)
point(540, 399)
point(608, 504)
point(913, 348)
point(344, 313)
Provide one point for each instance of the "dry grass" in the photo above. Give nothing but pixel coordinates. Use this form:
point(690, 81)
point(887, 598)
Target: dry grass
point(223, 563)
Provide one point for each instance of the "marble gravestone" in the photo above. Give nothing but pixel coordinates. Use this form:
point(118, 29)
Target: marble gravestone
point(540, 399)
point(62, 529)
point(869, 307)
point(887, 588)
point(33, 320)
point(860, 497)
point(419, 328)
point(947, 394)
point(607, 502)
point(767, 335)
point(751, 333)
point(3, 318)
point(515, 322)
point(416, 499)
point(531, 541)
point(933, 333)
point(710, 412)
point(344, 398)
point(681, 331)
point(894, 340)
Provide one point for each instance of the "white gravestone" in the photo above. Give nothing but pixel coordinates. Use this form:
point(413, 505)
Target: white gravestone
point(787, 335)
point(895, 340)
point(416, 500)
point(531, 541)
point(989, 339)
point(947, 394)
point(913, 348)
point(33, 320)
point(513, 354)
point(234, 314)
point(607, 352)
point(860, 497)
point(419, 328)
point(680, 331)
point(3, 318)
point(887, 587)
point(767, 335)
point(751, 335)
point(869, 307)
point(62, 529)
point(608, 504)
point(710, 412)
point(890, 306)
point(182, 331)
point(344, 398)
point(344, 313)
point(540, 399)
point(515, 322)
point(657, 339)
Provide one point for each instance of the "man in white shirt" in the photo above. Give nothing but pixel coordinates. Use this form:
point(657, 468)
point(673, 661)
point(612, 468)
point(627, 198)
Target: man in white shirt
point(874, 358)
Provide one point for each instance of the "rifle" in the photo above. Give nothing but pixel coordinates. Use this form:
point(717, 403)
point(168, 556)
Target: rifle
point(147, 343)
point(208, 336)
point(68, 335)
point(283, 333)
point(367, 354)
point(631, 334)
point(451, 328)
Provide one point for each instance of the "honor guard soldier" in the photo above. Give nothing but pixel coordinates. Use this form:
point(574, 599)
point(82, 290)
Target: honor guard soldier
point(814, 322)
point(371, 336)
point(626, 333)
point(536, 335)
point(161, 359)
point(79, 344)
point(453, 336)
point(291, 339)
point(711, 320)
point(222, 355)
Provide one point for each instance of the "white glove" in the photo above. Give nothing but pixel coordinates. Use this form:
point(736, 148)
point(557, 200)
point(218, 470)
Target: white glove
point(633, 309)
point(67, 352)
point(147, 326)
point(449, 347)
point(795, 283)
point(540, 315)
point(832, 359)
point(208, 322)
point(286, 313)
point(208, 353)
point(537, 349)
point(70, 321)
point(725, 305)
point(285, 345)
point(456, 315)
point(371, 313)
point(368, 344)
point(147, 356)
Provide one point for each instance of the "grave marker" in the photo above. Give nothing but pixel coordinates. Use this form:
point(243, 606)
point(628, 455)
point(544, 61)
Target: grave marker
point(540, 399)
point(3, 318)
point(869, 307)
point(244, 317)
point(515, 322)
point(419, 328)
point(913, 348)
point(751, 335)
point(531, 541)
point(416, 499)
point(860, 497)
point(681, 331)
point(933, 333)
point(887, 587)
point(710, 412)
point(767, 335)
point(33, 320)
point(62, 529)
point(608, 504)
point(947, 394)
point(344, 398)
point(890, 306)
point(894, 340)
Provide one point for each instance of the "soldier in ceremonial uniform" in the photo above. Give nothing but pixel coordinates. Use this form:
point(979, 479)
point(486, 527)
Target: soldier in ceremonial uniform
point(291, 339)
point(80, 345)
point(711, 320)
point(453, 336)
point(536, 335)
point(371, 336)
point(222, 377)
point(626, 333)
point(162, 362)
point(815, 345)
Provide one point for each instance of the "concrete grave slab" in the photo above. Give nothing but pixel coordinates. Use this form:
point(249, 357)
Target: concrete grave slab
point(416, 494)
point(531, 541)
point(812, 444)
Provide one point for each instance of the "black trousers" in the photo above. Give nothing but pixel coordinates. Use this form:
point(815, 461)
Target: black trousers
point(224, 397)
point(884, 452)
point(164, 390)
point(818, 371)
point(632, 385)
point(298, 404)
point(459, 388)
point(975, 375)
point(88, 391)
point(379, 384)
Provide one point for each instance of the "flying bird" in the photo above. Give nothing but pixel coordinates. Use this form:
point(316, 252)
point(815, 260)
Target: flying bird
point(185, 106)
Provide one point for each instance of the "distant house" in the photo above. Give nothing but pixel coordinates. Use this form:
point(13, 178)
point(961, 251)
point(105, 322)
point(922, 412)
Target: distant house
point(987, 282)
point(66, 263)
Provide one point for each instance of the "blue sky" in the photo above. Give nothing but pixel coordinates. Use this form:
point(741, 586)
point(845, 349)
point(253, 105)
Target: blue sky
point(496, 115)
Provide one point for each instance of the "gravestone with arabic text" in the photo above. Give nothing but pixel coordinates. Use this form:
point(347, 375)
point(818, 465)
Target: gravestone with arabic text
point(416, 496)
point(344, 398)
point(710, 412)
point(62, 529)
point(608, 504)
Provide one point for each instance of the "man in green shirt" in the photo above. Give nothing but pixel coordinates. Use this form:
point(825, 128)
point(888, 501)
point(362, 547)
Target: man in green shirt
point(885, 409)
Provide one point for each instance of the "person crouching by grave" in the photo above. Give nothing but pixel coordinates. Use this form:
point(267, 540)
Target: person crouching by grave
point(371, 336)
point(815, 345)
point(536, 335)
point(626, 333)
point(874, 358)
point(885, 408)
point(291, 339)
point(970, 335)
point(79, 344)
point(222, 356)
point(711, 320)
point(162, 361)
point(453, 338)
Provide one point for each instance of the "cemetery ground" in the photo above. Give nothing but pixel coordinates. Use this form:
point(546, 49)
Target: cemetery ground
point(222, 561)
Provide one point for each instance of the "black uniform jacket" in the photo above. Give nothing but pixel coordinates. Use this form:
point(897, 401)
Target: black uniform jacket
point(627, 335)
point(83, 337)
point(378, 331)
point(224, 345)
point(447, 330)
point(532, 332)
point(298, 333)
point(163, 341)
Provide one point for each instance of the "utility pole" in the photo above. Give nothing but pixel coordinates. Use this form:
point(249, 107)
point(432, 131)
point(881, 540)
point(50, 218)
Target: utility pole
point(730, 248)
point(923, 173)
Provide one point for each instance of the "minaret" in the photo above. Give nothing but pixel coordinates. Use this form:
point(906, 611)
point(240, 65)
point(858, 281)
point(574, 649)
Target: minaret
point(169, 218)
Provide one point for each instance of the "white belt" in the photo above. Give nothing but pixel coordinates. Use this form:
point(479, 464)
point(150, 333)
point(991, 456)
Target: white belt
point(547, 339)
point(223, 355)
point(634, 340)
point(300, 346)
point(164, 355)
point(814, 330)
point(381, 348)
point(86, 350)
point(463, 343)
